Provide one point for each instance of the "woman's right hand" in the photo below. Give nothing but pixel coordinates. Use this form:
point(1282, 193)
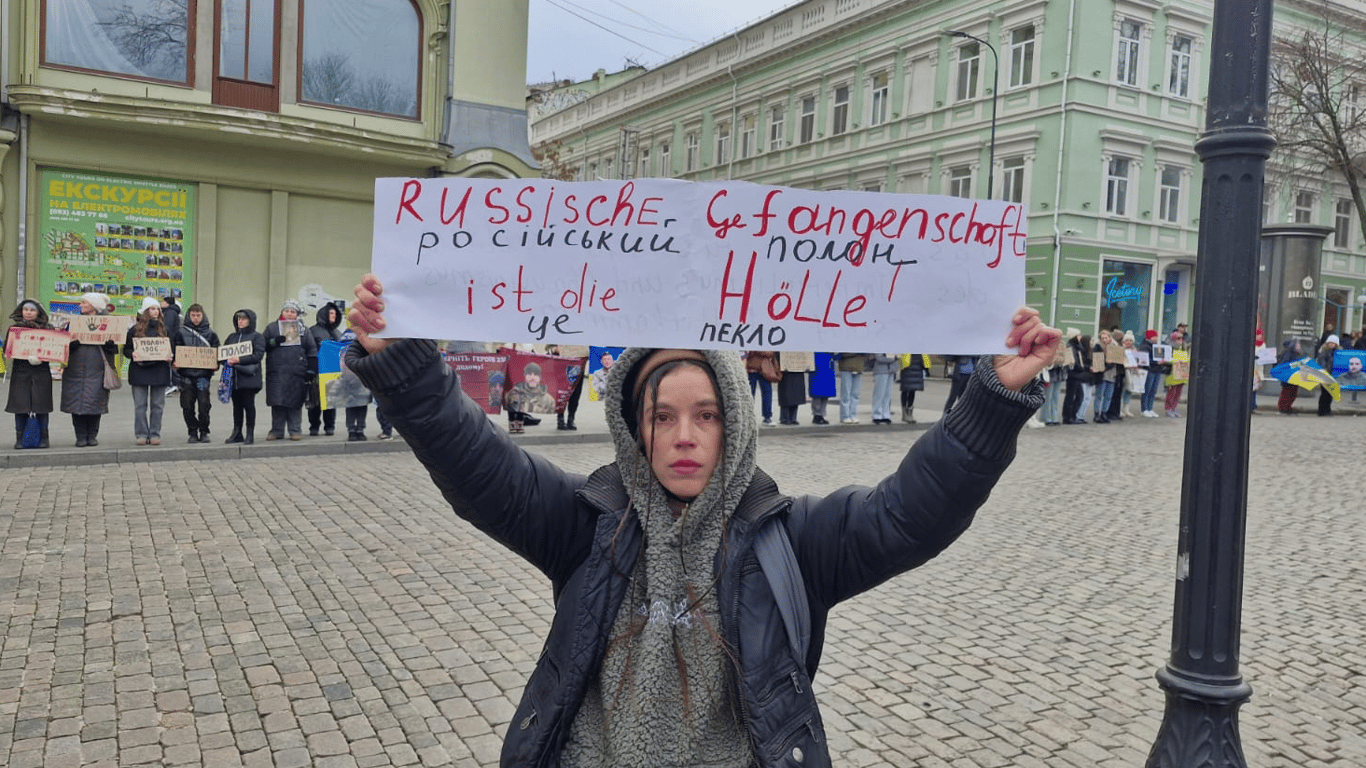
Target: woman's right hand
point(367, 314)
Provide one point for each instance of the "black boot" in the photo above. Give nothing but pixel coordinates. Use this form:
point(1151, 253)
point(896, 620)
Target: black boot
point(42, 439)
point(18, 439)
point(250, 436)
point(92, 431)
point(559, 422)
point(529, 420)
point(235, 437)
point(79, 427)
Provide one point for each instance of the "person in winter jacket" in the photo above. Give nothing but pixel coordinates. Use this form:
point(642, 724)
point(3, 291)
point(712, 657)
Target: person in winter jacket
point(1154, 371)
point(170, 316)
point(1327, 350)
point(792, 387)
point(194, 382)
point(667, 646)
point(291, 367)
point(327, 328)
point(912, 380)
point(885, 367)
point(246, 376)
point(30, 380)
point(148, 379)
point(1078, 373)
point(83, 392)
point(1289, 353)
point(822, 386)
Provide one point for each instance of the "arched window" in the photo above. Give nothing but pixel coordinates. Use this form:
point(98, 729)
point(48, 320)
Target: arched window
point(361, 54)
point(147, 39)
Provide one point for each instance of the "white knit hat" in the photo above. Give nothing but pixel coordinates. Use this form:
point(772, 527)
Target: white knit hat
point(148, 303)
point(97, 300)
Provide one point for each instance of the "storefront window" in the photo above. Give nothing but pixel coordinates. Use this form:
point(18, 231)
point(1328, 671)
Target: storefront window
point(1125, 293)
point(361, 54)
point(137, 38)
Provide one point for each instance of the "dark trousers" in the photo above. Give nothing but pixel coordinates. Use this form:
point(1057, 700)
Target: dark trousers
point(282, 418)
point(908, 398)
point(1117, 398)
point(957, 385)
point(355, 418)
point(1071, 400)
point(1325, 402)
point(244, 407)
point(384, 426)
point(193, 398)
point(573, 406)
point(327, 418)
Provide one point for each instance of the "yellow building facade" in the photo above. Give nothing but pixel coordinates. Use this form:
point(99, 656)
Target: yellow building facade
point(225, 152)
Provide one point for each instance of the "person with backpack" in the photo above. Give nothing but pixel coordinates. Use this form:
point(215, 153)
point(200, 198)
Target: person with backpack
point(668, 645)
point(194, 331)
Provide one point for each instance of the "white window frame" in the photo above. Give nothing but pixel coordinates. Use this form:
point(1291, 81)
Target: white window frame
point(643, 163)
point(839, 109)
point(806, 127)
point(666, 169)
point(1022, 56)
point(1179, 66)
point(968, 71)
point(1128, 52)
point(1014, 179)
point(1117, 197)
point(722, 134)
point(960, 181)
point(749, 126)
point(1304, 205)
point(1343, 213)
point(690, 151)
point(1169, 194)
point(777, 126)
point(879, 92)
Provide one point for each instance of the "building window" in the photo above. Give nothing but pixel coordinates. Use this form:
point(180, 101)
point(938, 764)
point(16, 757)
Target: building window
point(969, 66)
point(877, 111)
point(666, 168)
point(960, 181)
point(777, 123)
point(1013, 179)
point(607, 168)
point(643, 163)
point(593, 171)
point(1126, 65)
point(1179, 79)
point(1169, 198)
point(873, 186)
point(1022, 56)
point(747, 136)
point(722, 143)
point(690, 152)
point(146, 39)
point(1342, 224)
point(1304, 207)
point(360, 54)
point(1351, 99)
point(1117, 186)
point(807, 126)
point(839, 115)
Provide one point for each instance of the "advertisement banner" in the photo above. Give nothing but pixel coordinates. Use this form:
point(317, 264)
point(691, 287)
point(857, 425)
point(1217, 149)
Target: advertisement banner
point(122, 236)
point(708, 265)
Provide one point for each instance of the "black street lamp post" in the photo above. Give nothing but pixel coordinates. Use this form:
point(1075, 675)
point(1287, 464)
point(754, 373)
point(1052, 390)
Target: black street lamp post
point(995, 92)
point(1203, 686)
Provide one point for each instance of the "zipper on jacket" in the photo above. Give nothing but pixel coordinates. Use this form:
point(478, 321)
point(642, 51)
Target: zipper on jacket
point(815, 734)
point(796, 682)
point(527, 721)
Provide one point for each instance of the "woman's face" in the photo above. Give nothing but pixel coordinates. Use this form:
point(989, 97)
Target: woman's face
point(152, 313)
point(289, 314)
point(684, 431)
point(30, 313)
point(87, 308)
point(1104, 337)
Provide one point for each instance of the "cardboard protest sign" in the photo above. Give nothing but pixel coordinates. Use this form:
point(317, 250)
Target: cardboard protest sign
point(149, 348)
point(718, 265)
point(229, 351)
point(338, 386)
point(539, 383)
point(196, 357)
point(481, 377)
point(40, 343)
point(97, 329)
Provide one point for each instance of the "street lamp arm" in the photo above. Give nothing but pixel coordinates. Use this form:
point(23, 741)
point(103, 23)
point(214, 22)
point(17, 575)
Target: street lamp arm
point(995, 97)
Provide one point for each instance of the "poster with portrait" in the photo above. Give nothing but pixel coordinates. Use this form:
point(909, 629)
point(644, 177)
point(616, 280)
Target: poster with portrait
point(539, 384)
point(123, 236)
point(1348, 369)
point(481, 377)
point(338, 386)
point(600, 360)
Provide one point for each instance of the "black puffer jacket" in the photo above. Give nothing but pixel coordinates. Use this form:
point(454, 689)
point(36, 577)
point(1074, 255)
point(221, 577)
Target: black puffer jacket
point(845, 543)
point(289, 368)
point(328, 325)
point(191, 335)
point(247, 372)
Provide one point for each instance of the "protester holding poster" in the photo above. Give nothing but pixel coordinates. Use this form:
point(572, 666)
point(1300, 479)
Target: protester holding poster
point(1180, 370)
point(1327, 351)
point(88, 378)
point(327, 328)
point(792, 386)
point(148, 379)
point(291, 367)
point(246, 376)
point(30, 382)
point(666, 646)
point(194, 331)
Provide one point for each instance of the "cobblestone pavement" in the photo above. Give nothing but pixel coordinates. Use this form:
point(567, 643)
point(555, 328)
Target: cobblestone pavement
point(327, 610)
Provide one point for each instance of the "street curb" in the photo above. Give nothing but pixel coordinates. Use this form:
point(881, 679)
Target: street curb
point(70, 457)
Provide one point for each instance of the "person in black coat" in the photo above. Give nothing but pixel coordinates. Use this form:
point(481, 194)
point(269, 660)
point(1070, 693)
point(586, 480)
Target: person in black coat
point(30, 387)
point(291, 367)
point(246, 376)
point(194, 382)
point(1078, 375)
point(148, 379)
point(327, 328)
point(84, 395)
point(170, 315)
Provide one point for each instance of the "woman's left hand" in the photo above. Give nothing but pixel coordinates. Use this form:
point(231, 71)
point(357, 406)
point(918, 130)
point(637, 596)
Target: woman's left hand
point(1035, 345)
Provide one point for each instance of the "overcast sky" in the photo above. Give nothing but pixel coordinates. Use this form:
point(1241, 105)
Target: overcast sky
point(573, 38)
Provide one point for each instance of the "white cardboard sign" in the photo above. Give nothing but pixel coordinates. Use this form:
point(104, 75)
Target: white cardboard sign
point(709, 265)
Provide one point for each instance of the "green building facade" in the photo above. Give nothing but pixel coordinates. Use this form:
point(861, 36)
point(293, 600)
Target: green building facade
point(1098, 106)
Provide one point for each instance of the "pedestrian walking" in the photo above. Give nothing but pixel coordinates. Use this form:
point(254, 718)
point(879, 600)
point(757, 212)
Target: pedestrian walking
point(247, 378)
point(88, 377)
point(30, 379)
point(195, 398)
point(148, 378)
point(665, 648)
point(291, 367)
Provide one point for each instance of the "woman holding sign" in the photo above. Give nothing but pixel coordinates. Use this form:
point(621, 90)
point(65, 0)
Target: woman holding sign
point(677, 637)
point(88, 377)
point(150, 346)
point(30, 382)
